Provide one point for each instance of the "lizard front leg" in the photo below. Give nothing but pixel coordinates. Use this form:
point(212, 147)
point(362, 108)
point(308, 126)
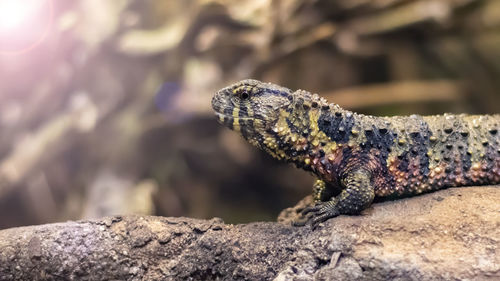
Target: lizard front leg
point(356, 195)
point(321, 192)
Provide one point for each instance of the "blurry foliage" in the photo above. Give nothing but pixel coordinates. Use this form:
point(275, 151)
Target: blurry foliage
point(111, 113)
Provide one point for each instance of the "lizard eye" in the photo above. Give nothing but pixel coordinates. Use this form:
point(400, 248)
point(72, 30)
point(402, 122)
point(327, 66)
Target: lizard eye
point(245, 96)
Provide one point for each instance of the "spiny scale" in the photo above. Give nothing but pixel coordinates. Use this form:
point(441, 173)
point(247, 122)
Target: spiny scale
point(358, 157)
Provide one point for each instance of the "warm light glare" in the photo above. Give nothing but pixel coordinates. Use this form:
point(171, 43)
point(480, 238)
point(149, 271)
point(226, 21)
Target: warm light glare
point(23, 24)
point(13, 13)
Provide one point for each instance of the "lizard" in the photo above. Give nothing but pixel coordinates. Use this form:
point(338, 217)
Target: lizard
point(357, 158)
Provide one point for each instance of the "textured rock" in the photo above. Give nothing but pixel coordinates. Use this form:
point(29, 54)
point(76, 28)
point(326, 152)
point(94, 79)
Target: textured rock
point(447, 235)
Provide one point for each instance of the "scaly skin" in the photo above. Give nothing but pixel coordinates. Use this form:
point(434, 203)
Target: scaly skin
point(358, 157)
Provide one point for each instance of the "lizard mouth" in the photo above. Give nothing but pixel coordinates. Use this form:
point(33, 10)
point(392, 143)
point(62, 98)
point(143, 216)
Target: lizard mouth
point(231, 122)
point(244, 125)
point(221, 117)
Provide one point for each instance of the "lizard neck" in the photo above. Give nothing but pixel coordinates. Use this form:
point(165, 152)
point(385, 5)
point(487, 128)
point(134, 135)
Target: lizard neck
point(312, 134)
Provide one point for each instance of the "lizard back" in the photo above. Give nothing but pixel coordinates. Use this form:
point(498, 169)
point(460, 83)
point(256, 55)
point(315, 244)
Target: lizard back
point(416, 154)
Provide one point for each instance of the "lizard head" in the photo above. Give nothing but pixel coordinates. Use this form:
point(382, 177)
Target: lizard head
point(250, 107)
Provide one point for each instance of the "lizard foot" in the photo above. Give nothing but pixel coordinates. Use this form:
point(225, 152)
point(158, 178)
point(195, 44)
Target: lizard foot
point(316, 214)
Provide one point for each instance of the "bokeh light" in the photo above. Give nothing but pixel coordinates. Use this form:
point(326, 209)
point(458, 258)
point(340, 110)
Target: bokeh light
point(23, 24)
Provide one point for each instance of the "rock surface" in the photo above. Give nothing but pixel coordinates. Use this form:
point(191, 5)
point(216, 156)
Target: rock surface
point(447, 235)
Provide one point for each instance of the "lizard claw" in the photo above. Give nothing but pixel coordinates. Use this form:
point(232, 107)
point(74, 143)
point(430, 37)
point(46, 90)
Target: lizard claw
point(316, 214)
point(311, 209)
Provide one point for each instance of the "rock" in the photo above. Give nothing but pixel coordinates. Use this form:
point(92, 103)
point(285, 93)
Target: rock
point(447, 235)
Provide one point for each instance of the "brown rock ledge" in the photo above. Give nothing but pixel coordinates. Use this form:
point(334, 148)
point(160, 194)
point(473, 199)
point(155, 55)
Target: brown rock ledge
point(452, 234)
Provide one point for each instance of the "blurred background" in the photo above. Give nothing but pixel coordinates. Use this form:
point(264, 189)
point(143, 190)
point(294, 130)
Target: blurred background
point(105, 105)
